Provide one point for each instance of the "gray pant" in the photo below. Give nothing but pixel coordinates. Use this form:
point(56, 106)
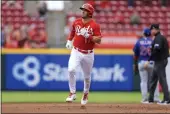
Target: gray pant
point(159, 74)
point(145, 76)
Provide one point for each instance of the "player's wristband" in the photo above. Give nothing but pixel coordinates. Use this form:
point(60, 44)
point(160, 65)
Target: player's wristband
point(135, 58)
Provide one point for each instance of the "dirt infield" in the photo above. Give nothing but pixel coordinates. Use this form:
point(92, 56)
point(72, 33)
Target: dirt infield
point(76, 108)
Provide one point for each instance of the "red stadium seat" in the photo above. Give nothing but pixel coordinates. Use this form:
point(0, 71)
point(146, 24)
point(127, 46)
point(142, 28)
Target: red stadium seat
point(139, 8)
point(144, 21)
point(152, 14)
point(111, 26)
point(143, 14)
point(155, 8)
point(163, 9)
point(160, 20)
point(168, 26)
point(109, 14)
point(104, 26)
point(114, 8)
point(127, 26)
point(122, 8)
point(104, 31)
point(110, 20)
point(123, 3)
point(127, 20)
point(168, 14)
point(155, 3)
point(168, 33)
point(148, 15)
point(163, 27)
point(17, 16)
point(113, 2)
point(126, 14)
point(102, 14)
point(147, 8)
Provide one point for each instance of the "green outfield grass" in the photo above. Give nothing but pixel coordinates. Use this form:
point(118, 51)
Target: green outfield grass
point(98, 97)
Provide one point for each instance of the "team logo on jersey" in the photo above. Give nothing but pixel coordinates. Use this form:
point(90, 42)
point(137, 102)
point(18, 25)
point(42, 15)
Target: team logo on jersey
point(78, 28)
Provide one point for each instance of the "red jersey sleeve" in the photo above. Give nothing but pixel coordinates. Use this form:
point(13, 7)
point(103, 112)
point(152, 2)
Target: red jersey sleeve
point(97, 30)
point(72, 32)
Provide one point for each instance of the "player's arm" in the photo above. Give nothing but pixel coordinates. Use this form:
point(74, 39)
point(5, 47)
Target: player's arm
point(72, 33)
point(136, 56)
point(69, 44)
point(136, 51)
point(96, 38)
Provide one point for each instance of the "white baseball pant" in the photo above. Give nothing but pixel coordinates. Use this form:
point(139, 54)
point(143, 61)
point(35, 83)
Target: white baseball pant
point(145, 75)
point(85, 61)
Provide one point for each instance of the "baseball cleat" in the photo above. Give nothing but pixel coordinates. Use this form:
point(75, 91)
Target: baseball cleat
point(84, 99)
point(157, 100)
point(148, 102)
point(71, 97)
point(144, 101)
point(164, 103)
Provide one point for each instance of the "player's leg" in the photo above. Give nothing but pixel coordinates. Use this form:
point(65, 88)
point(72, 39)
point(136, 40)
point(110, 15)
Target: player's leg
point(156, 93)
point(73, 63)
point(143, 82)
point(153, 83)
point(163, 81)
point(87, 65)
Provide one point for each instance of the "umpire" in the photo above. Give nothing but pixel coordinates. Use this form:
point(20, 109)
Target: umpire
point(159, 54)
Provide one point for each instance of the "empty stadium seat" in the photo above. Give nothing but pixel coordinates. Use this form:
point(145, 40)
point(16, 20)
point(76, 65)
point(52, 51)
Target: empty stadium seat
point(148, 14)
point(17, 16)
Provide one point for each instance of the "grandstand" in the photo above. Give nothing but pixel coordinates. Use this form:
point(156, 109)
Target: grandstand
point(105, 15)
point(14, 14)
point(154, 12)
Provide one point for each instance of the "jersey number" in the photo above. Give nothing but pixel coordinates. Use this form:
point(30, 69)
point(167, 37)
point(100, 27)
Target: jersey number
point(144, 51)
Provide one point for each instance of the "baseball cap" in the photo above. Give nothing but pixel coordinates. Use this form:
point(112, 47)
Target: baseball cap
point(147, 32)
point(154, 26)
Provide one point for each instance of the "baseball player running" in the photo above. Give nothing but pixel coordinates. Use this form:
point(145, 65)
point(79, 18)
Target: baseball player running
point(141, 54)
point(85, 33)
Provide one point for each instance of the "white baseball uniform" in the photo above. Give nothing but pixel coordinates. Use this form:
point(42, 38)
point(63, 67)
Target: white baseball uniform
point(82, 54)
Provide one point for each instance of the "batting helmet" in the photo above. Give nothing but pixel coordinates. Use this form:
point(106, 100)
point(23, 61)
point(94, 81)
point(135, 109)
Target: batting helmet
point(147, 32)
point(88, 8)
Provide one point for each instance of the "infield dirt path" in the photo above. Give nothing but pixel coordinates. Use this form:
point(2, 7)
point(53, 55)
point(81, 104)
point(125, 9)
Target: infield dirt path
point(76, 108)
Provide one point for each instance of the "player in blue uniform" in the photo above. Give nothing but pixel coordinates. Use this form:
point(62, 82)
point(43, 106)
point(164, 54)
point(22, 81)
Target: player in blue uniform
point(141, 54)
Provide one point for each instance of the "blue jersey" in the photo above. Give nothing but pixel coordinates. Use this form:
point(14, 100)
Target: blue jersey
point(142, 48)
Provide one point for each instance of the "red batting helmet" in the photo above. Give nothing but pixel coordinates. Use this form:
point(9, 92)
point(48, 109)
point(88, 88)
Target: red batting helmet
point(89, 8)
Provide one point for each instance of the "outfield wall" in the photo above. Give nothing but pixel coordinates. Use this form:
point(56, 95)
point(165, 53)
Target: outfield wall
point(46, 69)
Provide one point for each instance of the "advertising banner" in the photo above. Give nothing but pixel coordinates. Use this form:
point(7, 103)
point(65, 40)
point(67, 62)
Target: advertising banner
point(49, 72)
point(3, 72)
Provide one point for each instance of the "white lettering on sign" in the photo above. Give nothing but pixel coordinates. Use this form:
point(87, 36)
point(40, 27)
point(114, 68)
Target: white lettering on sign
point(54, 72)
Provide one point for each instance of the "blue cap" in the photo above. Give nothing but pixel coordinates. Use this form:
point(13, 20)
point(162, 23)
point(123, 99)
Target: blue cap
point(147, 32)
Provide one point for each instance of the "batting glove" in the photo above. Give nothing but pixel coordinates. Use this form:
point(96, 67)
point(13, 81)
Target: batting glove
point(69, 44)
point(84, 33)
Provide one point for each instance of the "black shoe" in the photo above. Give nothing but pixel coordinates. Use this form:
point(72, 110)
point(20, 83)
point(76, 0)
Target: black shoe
point(164, 102)
point(150, 101)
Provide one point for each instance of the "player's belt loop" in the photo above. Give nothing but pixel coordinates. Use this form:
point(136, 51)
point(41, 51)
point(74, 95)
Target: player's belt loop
point(90, 51)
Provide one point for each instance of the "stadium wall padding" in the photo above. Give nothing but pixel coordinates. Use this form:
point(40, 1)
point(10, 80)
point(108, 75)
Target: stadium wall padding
point(46, 69)
point(3, 72)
